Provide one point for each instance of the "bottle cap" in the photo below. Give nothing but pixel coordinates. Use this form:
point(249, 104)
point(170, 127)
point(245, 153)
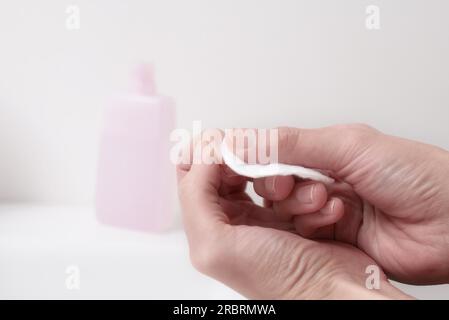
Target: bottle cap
point(143, 80)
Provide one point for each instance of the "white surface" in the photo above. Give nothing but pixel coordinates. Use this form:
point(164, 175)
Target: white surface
point(37, 244)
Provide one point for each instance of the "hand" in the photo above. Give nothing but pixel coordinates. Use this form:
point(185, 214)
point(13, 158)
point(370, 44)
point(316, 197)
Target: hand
point(391, 201)
point(249, 249)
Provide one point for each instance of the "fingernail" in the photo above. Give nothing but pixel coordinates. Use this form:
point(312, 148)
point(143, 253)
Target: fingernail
point(270, 184)
point(329, 207)
point(305, 194)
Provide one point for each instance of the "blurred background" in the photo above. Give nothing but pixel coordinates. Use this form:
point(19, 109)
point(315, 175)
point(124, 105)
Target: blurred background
point(233, 63)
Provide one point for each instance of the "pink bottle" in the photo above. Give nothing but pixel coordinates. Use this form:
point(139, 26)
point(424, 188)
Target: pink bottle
point(135, 177)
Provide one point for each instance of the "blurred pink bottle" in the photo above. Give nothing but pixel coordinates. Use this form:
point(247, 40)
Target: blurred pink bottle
point(135, 177)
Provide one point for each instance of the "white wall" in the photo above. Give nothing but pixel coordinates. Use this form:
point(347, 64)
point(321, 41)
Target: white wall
point(228, 63)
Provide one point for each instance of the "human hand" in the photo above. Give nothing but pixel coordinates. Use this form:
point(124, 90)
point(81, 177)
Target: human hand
point(250, 249)
point(391, 201)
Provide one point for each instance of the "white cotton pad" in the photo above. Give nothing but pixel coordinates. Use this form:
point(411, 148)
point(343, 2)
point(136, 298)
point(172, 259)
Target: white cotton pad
point(268, 170)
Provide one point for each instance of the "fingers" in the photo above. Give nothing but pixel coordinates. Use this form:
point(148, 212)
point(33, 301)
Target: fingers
point(248, 213)
point(306, 197)
point(203, 148)
point(321, 212)
point(231, 178)
point(307, 225)
point(231, 182)
point(234, 253)
point(274, 188)
point(329, 148)
point(198, 193)
point(206, 225)
point(199, 187)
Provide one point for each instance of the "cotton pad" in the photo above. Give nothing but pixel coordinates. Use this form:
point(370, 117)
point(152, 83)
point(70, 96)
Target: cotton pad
point(268, 170)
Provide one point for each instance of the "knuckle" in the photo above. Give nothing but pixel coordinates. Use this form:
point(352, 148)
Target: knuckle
point(356, 127)
point(362, 127)
point(354, 136)
point(356, 133)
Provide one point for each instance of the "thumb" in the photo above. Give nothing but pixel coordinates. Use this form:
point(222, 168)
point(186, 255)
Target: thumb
point(330, 148)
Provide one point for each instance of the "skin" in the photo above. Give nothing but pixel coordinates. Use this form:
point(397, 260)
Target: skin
point(391, 200)
point(312, 241)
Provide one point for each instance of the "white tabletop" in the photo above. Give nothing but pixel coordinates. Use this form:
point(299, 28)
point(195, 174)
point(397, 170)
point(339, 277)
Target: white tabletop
point(45, 250)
